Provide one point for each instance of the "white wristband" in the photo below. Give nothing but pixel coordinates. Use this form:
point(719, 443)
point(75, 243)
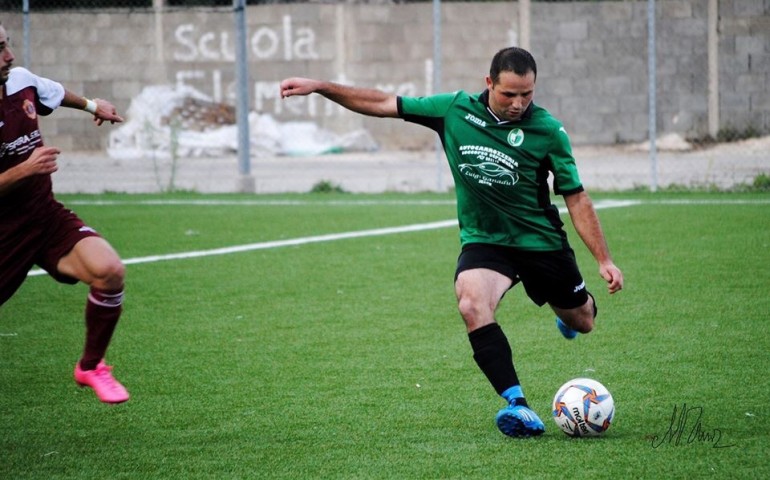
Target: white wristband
point(90, 106)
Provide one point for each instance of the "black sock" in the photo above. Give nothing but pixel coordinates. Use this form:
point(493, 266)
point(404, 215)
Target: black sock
point(493, 355)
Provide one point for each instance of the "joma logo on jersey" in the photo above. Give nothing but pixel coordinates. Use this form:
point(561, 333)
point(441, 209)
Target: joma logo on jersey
point(474, 119)
point(516, 137)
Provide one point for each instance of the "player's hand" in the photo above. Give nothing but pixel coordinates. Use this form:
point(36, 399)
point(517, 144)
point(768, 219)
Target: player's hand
point(613, 276)
point(298, 86)
point(106, 112)
point(41, 162)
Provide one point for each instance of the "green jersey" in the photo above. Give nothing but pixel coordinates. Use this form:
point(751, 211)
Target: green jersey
point(501, 168)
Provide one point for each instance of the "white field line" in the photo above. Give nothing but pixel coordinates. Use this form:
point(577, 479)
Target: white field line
point(602, 204)
point(282, 243)
point(295, 241)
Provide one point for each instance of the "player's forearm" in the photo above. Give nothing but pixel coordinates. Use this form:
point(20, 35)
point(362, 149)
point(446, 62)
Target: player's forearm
point(73, 100)
point(588, 227)
point(8, 179)
point(594, 239)
point(367, 101)
point(102, 110)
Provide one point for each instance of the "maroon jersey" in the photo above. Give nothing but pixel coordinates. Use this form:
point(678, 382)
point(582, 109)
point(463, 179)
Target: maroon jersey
point(34, 227)
point(25, 96)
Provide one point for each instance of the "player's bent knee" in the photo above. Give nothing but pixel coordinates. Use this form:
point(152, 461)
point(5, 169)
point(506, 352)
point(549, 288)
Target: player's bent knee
point(585, 326)
point(581, 318)
point(583, 321)
point(110, 275)
point(467, 309)
point(576, 319)
point(473, 313)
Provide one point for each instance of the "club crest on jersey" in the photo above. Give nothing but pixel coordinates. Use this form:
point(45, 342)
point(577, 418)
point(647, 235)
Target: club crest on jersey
point(516, 137)
point(29, 109)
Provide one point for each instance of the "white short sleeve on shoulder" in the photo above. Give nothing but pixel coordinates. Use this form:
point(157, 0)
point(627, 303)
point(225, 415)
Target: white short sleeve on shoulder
point(51, 93)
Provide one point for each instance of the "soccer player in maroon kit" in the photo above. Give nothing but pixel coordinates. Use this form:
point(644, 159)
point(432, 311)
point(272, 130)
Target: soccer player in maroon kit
point(35, 229)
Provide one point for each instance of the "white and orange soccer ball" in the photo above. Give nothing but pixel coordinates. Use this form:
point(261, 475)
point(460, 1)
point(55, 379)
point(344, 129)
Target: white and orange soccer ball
point(583, 407)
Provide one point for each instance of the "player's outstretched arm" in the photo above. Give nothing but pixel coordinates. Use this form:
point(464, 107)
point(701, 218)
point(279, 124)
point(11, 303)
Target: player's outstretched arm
point(102, 110)
point(586, 222)
point(367, 101)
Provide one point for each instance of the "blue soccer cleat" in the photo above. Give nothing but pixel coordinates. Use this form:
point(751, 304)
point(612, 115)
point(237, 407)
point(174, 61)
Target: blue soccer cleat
point(519, 421)
point(567, 332)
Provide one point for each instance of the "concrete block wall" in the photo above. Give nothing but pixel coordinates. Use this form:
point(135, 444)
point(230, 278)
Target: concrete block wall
point(744, 47)
point(592, 61)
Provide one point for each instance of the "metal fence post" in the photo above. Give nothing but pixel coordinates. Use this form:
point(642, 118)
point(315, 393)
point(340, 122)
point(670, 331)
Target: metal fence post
point(525, 10)
point(652, 94)
point(437, 86)
point(713, 59)
point(246, 182)
point(25, 21)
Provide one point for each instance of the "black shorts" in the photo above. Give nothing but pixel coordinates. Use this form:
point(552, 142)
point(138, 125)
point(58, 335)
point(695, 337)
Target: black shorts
point(548, 277)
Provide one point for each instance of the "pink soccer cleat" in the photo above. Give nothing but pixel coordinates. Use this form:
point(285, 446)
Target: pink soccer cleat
point(104, 384)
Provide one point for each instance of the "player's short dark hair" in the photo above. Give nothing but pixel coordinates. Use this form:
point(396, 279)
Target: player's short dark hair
point(512, 59)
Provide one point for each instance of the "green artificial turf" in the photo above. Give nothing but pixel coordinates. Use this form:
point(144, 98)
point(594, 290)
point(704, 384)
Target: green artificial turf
point(347, 358)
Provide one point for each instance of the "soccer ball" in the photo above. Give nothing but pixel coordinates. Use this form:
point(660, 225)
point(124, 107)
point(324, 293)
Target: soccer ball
point(583, 408)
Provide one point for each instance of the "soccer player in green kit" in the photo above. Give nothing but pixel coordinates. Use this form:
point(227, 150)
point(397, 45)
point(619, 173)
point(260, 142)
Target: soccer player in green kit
point(501, 148)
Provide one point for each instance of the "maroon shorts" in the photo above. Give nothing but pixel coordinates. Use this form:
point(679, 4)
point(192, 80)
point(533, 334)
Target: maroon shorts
point(42, 244)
